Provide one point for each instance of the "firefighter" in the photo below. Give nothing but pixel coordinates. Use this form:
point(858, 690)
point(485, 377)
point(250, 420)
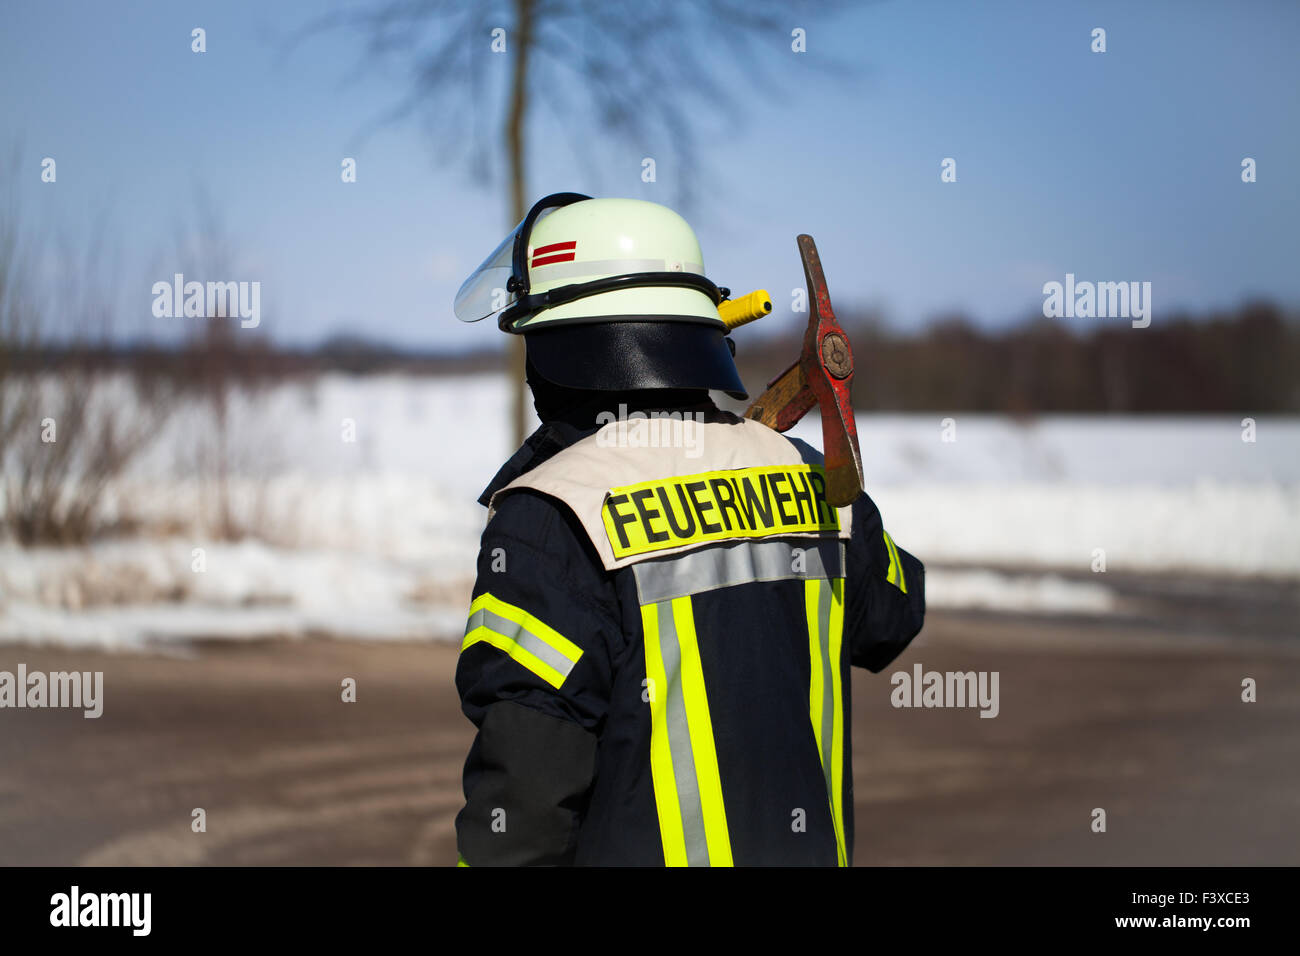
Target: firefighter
point(658, 646)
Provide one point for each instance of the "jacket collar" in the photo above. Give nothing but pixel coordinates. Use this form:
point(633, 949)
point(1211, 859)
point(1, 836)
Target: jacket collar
point(548, 441)
point(552, 438)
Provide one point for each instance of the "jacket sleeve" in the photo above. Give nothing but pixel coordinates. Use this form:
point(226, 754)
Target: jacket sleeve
point(534, 677)
point(885, 603)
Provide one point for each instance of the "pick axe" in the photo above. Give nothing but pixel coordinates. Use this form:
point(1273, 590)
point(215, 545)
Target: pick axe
point(821, 376)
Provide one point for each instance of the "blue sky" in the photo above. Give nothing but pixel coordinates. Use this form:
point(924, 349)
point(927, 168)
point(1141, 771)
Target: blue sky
point(1116, 166)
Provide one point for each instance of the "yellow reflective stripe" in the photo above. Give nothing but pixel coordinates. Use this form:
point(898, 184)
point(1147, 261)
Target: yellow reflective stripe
point(891, 573)
point(895, 574)
point(523, 637)
point(460, 861)
point(529, 623)
point(701, 725)
point(816, 687)
point(507, 644)
point(661, 760)
point(683, 756)
point(824, 611)
point(836, 624)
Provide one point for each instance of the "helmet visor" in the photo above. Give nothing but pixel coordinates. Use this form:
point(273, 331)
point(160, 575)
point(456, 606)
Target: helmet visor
point(484, 292)
point(488, 289)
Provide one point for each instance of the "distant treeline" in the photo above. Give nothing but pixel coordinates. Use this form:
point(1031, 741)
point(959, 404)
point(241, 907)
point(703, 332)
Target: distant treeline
point(233, 354)
point(1246, 361)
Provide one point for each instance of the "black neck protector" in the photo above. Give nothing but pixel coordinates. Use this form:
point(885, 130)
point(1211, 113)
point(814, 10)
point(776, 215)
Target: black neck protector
point(579, 406)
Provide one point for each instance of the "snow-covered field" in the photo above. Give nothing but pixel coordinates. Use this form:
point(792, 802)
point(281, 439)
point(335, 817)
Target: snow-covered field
point(376, 536)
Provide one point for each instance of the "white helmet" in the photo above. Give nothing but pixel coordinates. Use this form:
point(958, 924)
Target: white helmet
point(610, 295)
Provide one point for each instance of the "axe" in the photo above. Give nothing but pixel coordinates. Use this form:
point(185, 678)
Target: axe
point(821, 376)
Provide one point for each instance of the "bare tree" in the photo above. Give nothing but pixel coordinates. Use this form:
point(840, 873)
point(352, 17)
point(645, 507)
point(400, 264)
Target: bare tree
point(65, 434)
point(642, 71)
point(220, 366)
point(15, 314)
point(17, 326)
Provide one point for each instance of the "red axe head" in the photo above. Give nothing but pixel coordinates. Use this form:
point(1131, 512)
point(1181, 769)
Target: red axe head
point(822, 376)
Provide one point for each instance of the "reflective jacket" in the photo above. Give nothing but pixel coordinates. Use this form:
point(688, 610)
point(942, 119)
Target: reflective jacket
point(658, 647)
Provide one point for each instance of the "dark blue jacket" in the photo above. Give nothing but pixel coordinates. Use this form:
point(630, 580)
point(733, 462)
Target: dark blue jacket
point(688, 709)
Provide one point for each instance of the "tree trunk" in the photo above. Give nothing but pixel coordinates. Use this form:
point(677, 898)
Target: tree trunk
point(515, 149)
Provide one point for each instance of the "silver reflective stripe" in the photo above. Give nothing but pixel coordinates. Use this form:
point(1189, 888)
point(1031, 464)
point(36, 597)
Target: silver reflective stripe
point(744, 562)
point(601, 267)
point(679, 742)
point(523, 637)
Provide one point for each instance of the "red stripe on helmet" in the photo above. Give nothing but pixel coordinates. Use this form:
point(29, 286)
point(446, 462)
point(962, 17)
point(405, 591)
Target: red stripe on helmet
point(547, 260)
point(554, 247)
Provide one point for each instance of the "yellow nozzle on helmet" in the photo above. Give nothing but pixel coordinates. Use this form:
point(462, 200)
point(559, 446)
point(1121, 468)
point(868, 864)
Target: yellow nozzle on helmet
point(736, 312)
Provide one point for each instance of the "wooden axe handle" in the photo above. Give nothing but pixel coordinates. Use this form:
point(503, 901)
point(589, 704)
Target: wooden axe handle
point(786, 400)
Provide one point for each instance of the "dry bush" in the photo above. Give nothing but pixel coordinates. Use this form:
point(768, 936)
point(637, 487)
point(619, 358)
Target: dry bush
point(54, 490)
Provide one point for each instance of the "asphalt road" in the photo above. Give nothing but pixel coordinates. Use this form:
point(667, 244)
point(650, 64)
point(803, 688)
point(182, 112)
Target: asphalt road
point(1141, 717)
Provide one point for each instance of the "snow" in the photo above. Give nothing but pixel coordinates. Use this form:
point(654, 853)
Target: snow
point(1020, 594)
point(1153, 494)
point(376, 537)
point(1208, 527)
point(141, 593)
